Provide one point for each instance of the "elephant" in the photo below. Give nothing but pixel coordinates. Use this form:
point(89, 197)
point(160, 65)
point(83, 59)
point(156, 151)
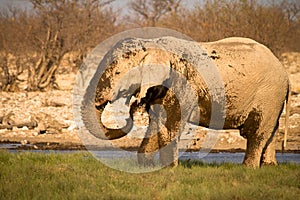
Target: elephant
point(233, 83)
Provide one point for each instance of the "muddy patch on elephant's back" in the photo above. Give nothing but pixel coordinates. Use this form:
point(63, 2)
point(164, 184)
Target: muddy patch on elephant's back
point(52, 110)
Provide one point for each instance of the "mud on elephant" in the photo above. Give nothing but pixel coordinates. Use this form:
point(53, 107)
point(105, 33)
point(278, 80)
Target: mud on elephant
point(234, 83)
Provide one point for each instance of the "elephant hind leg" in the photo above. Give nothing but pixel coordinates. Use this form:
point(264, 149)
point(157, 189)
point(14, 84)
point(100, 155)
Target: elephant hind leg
point(259, 132)
point(253, 151)
point(269, 152)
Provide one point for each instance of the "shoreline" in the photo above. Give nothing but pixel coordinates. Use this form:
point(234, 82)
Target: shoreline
point(47, 146)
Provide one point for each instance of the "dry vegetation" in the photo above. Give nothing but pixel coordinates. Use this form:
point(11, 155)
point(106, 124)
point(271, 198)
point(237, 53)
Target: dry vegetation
point(34, 42)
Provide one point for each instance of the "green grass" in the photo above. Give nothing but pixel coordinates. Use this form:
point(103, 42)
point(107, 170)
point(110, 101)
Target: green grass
point(81, 176)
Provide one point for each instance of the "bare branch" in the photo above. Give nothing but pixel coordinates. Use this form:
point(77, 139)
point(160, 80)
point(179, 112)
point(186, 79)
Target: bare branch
point(150, 12)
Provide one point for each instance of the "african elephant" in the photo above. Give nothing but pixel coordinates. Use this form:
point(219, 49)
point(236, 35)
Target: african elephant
point(237, 83)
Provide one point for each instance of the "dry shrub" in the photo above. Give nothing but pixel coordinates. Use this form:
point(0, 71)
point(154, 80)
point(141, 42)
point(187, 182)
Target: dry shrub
point(46, 33)
point(275, 24)
point(53, 29)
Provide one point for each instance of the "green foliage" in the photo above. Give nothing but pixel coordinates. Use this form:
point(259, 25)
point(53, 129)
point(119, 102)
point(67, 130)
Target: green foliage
point(81, 176)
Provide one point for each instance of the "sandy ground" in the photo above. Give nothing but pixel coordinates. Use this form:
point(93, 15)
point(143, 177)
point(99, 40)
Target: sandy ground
point(56, 129)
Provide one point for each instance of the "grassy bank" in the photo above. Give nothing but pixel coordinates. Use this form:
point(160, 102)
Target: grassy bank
point(81, 176)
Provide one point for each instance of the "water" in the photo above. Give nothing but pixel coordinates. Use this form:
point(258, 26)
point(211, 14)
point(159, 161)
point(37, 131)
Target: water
point(222, 157)
point(237, 157)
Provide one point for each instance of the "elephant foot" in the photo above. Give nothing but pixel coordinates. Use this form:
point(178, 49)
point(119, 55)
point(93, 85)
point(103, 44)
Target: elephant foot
point(268, 159)
point(146, 159)
point(251, 163)
point(168, 160)
point(255, 163)
point(269, 163)
point(169, 155)
point(269, 155)
point(252, 159)
point(172, 164)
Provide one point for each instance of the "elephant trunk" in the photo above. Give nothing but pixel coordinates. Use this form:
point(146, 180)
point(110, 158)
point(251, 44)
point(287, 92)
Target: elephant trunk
point(91, 117)
point(111, 133)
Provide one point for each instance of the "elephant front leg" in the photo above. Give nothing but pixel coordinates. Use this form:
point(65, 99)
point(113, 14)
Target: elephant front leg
point(162, 141)
point(147, 151)
point(149, 146)
point(168, 148)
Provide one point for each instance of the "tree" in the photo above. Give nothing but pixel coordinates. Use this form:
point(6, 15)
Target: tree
point(65, 26)
point(149, 12)
point(39, 39)
point(274, 24)
point(13, 34)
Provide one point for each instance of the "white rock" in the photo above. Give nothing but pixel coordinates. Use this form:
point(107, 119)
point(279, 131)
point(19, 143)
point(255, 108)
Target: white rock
point(24, 128)
point(24, 142)
point(35, 134)
point(72, 127)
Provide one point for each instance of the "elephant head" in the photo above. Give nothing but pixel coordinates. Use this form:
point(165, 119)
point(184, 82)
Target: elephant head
point(119, 75)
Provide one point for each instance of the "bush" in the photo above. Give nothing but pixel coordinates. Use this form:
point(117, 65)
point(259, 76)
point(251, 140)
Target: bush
point(41, 37)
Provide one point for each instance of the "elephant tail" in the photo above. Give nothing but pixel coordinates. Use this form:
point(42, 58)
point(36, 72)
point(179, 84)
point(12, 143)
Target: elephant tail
point(287, 115)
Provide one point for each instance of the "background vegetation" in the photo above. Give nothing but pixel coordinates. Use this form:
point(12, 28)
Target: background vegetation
point(34, 42)
point(81, 176)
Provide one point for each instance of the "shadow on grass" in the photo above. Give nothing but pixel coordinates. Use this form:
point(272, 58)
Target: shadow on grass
point(198, 163)
point(228, 165)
